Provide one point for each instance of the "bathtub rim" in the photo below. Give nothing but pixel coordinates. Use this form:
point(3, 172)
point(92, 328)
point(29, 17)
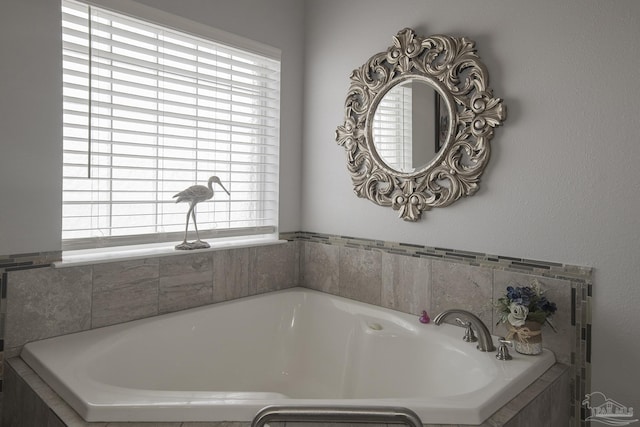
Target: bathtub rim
point(256, 404)
point(18, 370)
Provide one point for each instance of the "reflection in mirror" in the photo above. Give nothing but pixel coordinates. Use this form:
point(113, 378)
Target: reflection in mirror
point(409, 127)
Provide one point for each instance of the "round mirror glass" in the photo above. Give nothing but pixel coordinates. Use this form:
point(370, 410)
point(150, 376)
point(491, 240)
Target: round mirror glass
point(410, 126)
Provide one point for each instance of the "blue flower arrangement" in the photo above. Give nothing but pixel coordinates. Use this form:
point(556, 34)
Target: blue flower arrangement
point(525, 303)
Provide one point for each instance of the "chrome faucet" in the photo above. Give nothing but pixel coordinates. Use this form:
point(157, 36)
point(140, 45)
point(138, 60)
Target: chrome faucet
point(485, 342)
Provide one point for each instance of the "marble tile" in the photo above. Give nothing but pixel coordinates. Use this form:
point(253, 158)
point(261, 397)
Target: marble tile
point(115, 275)
point(54, 421)
point(406, 283)
point(231, 275)
point(175, 295)
point(58, 408)
point(462, 286)
point(549, 408)
point(8, 414)
point(186, 264)
point(360, 273)
point(22, 406)
point(297, 262)
point(558, 291)
point(185, 281)
point(124, 291)
point(45, 302)
point(320, 267)
point(32, 408)
point(273, 267)
point(124, 303)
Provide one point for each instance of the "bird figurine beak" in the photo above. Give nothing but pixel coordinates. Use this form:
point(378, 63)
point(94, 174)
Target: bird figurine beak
point(227, 191)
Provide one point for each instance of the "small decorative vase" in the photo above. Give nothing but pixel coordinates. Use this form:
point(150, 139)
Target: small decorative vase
point(527, 339)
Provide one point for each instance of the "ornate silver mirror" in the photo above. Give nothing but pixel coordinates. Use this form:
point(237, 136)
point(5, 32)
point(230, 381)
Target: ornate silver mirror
point(418, 122)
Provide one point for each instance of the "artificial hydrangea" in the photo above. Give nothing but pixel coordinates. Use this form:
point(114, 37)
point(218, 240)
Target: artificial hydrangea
point(522, 303)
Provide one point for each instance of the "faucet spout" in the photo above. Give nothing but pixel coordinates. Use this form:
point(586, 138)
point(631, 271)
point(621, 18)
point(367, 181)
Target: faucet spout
point(485, 342)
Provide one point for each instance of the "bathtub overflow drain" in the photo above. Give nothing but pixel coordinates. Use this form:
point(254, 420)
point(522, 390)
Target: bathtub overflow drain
point(376, 326)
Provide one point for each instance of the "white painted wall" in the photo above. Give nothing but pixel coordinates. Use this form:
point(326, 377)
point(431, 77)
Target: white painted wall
point(563, 183)
point(31, 107)
point(30, 126)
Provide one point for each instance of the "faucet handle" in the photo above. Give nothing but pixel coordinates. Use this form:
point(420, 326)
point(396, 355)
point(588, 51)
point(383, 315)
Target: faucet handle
point(469, 335)
point(503, 351)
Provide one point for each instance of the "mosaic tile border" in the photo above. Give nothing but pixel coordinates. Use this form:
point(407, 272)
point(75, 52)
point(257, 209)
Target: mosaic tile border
point(579, 277)
point(542, 268)
point(16, 262)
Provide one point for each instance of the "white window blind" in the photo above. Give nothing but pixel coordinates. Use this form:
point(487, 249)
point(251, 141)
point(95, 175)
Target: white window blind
point(392, 128)
point(150, 111)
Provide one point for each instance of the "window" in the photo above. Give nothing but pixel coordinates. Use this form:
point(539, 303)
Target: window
point(392, 128)
point(150, 111)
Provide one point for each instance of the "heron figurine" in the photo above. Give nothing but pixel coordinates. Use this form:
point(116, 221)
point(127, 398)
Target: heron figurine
point(194, 195)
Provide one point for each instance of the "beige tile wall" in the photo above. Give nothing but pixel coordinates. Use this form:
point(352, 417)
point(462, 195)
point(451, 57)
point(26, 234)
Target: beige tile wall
point(413, 278)
point(45, 302)
point(412, 284)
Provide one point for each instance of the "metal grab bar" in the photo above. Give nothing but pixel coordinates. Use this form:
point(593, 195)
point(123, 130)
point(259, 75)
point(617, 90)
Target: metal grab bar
point(354, 414)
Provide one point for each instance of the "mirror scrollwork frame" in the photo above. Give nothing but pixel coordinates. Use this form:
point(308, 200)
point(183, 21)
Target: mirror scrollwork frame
point(453, 68)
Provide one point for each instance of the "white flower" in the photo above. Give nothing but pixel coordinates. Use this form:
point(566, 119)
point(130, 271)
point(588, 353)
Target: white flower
point(518, 314)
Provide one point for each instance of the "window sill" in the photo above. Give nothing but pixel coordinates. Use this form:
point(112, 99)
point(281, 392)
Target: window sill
point(126, 253)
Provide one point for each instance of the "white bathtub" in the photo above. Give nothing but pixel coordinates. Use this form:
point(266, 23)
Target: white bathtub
point(227, 361)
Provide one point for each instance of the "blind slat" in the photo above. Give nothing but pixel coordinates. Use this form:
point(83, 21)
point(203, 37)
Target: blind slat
point(166, 144)
point(221, 55)
point(263, 96)
point(161, 45)
point(131, 132)
point(103, 57)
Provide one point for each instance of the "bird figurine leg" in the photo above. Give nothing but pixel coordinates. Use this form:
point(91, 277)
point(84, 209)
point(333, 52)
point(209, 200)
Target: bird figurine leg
point(186, 228)
point(198, 244)
point(195, 224)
